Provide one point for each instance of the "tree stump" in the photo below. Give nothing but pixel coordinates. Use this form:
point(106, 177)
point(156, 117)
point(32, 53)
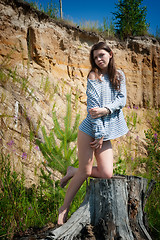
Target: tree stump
point(115, 207)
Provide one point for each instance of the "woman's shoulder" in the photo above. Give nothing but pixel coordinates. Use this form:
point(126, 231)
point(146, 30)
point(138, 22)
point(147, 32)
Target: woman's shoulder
point(93, 83)
point(120, 73)
point(92, 75)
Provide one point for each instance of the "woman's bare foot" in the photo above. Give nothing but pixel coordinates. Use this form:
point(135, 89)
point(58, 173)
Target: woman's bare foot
point(62, 217)
point(70, 173)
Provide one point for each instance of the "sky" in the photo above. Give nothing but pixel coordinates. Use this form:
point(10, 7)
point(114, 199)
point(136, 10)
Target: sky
point(96, 11)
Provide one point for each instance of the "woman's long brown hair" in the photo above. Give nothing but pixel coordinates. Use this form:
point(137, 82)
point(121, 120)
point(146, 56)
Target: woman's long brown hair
point(112, 72)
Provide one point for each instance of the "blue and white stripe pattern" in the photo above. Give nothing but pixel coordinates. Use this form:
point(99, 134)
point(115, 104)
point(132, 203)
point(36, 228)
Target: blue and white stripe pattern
point(102, 94)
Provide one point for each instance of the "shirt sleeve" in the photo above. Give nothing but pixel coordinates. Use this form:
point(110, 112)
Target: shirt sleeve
point(120, 96)
point(93, 100)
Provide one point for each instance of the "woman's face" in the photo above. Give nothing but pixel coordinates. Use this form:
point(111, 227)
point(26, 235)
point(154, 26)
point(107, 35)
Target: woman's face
point(102, 58)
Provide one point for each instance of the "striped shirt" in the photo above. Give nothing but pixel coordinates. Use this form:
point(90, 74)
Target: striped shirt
point(102, 94)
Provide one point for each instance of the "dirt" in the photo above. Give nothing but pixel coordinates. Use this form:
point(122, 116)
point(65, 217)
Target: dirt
point(35, 233)
point(87, 233)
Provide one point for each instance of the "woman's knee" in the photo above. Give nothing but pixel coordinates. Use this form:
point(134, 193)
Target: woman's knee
point(85, 172)
point(107, 174)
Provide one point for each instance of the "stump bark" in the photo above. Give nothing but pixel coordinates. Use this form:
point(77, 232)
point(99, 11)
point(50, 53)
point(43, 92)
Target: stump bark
point(115, 207)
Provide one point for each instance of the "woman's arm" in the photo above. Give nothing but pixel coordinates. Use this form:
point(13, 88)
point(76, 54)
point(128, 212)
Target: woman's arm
point(97, 143)
point(118, 103)
point(99, 112)
point(93, 101)
point(121, 95)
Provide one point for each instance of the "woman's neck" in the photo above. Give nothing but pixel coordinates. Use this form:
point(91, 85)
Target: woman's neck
point(104, 71)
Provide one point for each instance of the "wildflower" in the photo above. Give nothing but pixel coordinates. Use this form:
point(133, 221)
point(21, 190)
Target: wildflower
point(155, 135)
point(24, 155)
point(37, 148)
point(155, 138)
point(10, 143)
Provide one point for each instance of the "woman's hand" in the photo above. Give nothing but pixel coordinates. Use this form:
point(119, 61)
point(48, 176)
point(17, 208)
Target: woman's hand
point(97, 143)
point(98, 112)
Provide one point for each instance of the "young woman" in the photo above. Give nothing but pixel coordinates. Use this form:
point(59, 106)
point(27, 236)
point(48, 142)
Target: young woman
point(106, 96)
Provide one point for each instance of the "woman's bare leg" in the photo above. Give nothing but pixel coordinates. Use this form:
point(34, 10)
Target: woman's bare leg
point(70, 173)
point(85, 156)
point(104, 169)
point(104, 158)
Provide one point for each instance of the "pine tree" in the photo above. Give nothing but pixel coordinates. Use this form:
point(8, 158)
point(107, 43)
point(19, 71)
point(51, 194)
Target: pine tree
point(130, 18)
point(60, 155)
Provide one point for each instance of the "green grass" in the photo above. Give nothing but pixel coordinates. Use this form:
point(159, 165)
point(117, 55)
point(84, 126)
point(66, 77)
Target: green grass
point(22, 208)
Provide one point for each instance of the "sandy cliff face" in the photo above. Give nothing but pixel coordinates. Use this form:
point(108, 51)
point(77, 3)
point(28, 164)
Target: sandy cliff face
point(48, 59)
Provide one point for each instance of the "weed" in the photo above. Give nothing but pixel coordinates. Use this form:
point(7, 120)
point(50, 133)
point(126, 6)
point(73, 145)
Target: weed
point(18, 206)
point(22, 208)
point(153, 172)
point(147, 167)
point(119, 166)
point(132, 120)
